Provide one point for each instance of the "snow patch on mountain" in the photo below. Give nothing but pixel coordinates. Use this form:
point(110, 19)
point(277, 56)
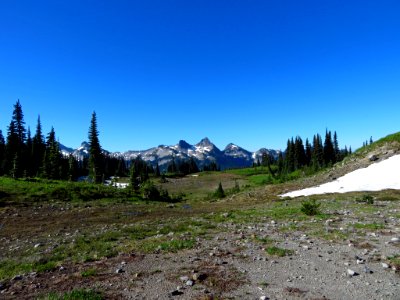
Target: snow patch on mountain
point(378, 176)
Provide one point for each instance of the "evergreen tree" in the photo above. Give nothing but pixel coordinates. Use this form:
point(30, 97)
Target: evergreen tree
point(52, 158)
point(95, 154)
point(289, 157)
point(72, 168)
point(2, 152)
point(317, 159)
point(370, 140)
point(38, 149)
point(15, 147)
point(193, 168)
point(157, 171)
point(329, 151)
point(336, 147)
point(28, 155)
point(172, 167)
point(308, 153)
point(219, 193)
point(299, 154)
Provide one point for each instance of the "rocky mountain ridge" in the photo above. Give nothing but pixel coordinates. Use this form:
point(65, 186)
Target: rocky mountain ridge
point(204, 153)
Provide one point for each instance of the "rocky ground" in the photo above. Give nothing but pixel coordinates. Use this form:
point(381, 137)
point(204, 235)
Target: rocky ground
point(235, 261)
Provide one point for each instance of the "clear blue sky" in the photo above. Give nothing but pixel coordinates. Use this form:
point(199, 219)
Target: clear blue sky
point(250, 72)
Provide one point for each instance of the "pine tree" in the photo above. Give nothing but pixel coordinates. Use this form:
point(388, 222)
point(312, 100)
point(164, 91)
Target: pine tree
point(317, 159)
point(219, 193)
point(308, 153)
point(329, 151)
point(38, 149)
point(72, 168)
point(15, 146)
point(157, 172)
point(52, 158)
point(336, 148)
point(2, 152)
point(95, 154)
point(28, 155)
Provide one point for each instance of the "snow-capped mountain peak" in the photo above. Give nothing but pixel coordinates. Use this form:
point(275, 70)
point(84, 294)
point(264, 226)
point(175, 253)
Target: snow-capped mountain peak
point(203, 152)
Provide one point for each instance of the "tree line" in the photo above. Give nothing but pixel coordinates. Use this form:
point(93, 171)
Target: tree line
point(24, 155)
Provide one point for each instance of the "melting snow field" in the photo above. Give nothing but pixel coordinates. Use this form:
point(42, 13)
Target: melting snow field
point(378, 176)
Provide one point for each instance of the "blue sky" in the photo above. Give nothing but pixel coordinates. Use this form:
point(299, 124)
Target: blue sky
point(250, 72)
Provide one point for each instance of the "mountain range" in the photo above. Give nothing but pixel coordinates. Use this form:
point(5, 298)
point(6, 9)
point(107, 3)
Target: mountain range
point(204, 153)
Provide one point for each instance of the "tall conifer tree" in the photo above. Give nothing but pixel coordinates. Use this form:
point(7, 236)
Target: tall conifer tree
point(2, 152)
point(95, 154)
point(38, 148)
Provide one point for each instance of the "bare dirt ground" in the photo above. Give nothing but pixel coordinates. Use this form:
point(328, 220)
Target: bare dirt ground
point(253, 245)
point(229, 262)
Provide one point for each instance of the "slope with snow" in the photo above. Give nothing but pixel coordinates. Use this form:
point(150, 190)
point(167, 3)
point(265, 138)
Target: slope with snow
point(378, 176)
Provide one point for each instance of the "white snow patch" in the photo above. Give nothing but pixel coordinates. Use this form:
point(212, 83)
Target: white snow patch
point(379, 176)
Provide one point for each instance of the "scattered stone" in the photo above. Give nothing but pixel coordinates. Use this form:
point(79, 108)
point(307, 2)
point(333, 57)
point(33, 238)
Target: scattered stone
point(395, 240)
point(368, 270)
point(37, 245)
point(264, 298)
point(190, 283)
point(199, 276)
point(62, 268)
point(373, 157)
point(119, 271)
point(385, 266)
point(184, 278)
point(352, 273)
point(17, 277)
point(176, 293)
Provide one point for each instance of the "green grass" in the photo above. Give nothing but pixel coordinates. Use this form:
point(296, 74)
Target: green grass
point(276, 251)
point(89, 272)
point(79, 294)
point(369, 226)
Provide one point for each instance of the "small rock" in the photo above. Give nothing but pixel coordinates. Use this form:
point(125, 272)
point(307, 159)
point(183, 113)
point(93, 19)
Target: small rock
point(352, 273)
point(264, 298)
point(373, 157)
point(123, 263)
point(199, 276)
point(385, 266)
point(190, 283)
point(17, 277)
point(368, 270)
point(360, 261)
point(184, 278)
point(119, 270)
point(395, 240)
point(62, 268)
point(37, 245)
point(176, 293)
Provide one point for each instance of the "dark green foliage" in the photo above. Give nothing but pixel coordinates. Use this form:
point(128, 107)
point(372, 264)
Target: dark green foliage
point(310, 207)
point(366, 198)
point(2, 152)
point(329, 151)
point(157, 171)
point(51, 168)
point(95, 154)
point(15, 143)
point(172, 167)
point(38, 149)
point(211, 167)
point(219, 193)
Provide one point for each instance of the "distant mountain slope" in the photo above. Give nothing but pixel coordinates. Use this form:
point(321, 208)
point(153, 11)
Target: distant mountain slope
point(203, 152)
